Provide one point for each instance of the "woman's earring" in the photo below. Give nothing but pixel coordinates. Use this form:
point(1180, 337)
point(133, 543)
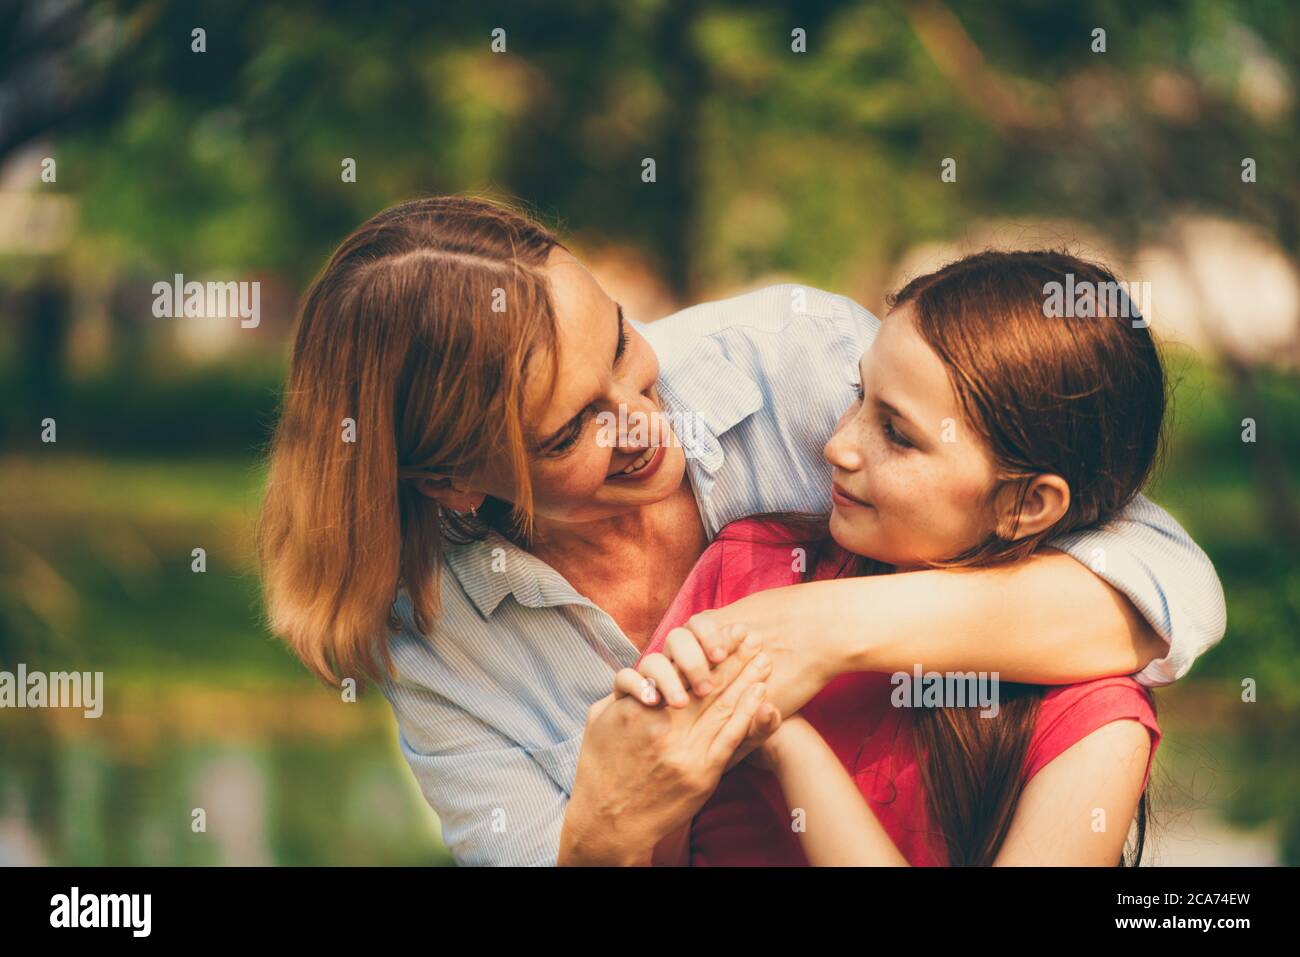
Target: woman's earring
point(473, 511)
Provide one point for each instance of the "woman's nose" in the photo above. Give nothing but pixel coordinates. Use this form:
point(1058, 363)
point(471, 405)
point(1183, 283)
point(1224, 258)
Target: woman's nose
point(642, 419)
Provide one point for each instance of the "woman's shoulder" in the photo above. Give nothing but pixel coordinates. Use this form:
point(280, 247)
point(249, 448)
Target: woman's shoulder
point(1069, 713)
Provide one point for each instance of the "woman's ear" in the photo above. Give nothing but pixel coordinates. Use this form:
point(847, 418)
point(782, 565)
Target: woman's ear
point(450, 494)
point(1046, 501)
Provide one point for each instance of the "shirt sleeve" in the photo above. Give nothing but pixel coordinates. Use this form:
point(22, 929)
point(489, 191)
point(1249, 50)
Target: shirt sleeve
point(1070, 713)
point(499, 804)
point(1148, 556)
point(766, 375)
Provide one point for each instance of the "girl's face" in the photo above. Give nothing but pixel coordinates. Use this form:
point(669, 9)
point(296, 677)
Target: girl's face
point(577, 466)
point(912, 481)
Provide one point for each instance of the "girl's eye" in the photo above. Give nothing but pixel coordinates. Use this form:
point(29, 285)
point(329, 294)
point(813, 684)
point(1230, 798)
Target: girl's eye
point(895, 437)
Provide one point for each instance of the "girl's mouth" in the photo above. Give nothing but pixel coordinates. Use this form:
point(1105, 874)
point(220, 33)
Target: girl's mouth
point(840, 497)
point(644, 467)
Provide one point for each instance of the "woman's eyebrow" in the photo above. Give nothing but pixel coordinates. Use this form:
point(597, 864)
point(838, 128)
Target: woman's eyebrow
point(555, 436)
point(618, 354)
point(618, 343)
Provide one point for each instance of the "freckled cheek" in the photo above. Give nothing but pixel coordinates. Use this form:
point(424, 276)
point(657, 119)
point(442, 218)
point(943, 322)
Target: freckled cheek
point(573, 480)
point(877, 467)
point(913, 501)
point(897, 498)
point(890, 479)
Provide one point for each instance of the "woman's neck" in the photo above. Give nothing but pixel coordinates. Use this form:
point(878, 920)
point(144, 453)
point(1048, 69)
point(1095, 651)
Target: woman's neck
point(632, 564)
point(647, 526)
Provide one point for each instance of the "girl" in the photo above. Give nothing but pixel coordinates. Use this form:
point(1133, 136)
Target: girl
point(983, 426)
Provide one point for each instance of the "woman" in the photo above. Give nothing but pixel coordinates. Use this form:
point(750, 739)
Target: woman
point(1051, 425)
point(442, 513)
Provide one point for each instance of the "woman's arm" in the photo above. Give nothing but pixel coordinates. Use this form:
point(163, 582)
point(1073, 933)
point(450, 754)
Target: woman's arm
point(802, 379)
point(1045, 620)
point(836, 827)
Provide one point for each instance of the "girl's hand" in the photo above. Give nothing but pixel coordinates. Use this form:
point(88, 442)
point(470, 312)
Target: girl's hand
point(807, 652)
point(788, 735)
point(688, 664)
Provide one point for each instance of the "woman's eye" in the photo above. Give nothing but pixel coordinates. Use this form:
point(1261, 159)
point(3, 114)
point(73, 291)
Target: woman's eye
point(894, 436)
point(567, 442)
point(570, 438)
point(857, 391)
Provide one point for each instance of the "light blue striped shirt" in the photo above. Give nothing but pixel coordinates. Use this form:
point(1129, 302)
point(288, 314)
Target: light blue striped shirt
point(491, 707)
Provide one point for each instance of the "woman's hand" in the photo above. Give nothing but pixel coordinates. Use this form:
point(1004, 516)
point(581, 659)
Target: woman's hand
point(684, 667)
point(643, 771)
point(805, 655)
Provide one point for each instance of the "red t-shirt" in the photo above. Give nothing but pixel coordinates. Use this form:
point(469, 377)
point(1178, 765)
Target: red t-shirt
point(747, 823)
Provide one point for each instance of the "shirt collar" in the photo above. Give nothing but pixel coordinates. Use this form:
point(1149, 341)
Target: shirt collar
point(494, 567)
point(705, 393)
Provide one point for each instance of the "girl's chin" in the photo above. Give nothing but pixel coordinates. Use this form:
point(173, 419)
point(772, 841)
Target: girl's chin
point(850, 537)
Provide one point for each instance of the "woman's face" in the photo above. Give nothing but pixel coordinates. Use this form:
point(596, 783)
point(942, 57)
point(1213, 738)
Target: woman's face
point(579, 466)
point(912, 481)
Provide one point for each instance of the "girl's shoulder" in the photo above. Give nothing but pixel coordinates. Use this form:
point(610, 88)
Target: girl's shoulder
point(1069, 713)
point(772, 530)
point(748, 555)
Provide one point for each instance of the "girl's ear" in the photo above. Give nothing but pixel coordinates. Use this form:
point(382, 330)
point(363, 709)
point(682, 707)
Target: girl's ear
point(449, 494)
point(1046, 502)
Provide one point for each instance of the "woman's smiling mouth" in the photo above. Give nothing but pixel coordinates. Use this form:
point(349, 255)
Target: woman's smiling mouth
point(643, 467)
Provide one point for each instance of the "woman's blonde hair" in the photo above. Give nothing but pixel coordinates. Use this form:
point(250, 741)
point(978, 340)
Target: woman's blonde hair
point(409, 363)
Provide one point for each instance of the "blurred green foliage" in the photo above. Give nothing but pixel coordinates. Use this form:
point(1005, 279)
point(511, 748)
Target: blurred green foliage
point(824, 166)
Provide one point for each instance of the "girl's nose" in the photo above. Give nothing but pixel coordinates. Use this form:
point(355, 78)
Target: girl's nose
point(842, 450)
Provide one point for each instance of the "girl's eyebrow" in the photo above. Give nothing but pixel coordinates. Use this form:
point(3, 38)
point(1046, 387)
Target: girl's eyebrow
point(894, 411)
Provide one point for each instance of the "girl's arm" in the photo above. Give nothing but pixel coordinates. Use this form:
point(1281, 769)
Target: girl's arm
point(839, 829)
point(1075, 812)
point(1045, 620)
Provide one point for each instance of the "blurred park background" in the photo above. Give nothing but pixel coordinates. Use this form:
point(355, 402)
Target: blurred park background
point(822, 167)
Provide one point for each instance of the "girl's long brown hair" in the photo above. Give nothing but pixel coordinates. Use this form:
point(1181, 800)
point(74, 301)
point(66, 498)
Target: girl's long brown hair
point(409, 362)
point(1083, 398)
point(1080, 395)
